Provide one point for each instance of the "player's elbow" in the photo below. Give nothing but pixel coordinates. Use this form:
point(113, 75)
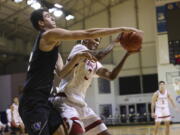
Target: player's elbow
point(112, 77)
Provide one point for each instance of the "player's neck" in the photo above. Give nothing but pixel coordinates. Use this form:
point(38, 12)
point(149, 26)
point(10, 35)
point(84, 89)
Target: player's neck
point(162, 91)
point(45, 29)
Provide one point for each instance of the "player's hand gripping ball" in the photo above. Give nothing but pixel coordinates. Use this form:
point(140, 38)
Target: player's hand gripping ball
point(131, 41)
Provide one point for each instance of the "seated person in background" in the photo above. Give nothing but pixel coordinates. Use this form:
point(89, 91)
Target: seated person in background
point(9, 118)
point(14, 117)
point(2, 128)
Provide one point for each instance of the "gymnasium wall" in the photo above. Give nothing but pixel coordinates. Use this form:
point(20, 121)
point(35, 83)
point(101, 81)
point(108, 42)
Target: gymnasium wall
point(5, 89)
point(10, 86)
point(14, 54)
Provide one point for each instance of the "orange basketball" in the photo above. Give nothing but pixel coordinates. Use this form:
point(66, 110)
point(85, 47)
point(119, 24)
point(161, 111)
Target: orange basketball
point(131, 41)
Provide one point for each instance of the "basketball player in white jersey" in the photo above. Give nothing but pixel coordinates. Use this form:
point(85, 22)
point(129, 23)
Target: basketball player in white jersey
point(72, 90)
point(16, 121)
point(160, 107)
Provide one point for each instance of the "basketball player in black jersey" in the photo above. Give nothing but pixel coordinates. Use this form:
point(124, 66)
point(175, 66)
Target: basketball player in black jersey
point(38, 115)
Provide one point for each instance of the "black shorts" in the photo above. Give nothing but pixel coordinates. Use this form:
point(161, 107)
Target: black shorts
point(39, 116)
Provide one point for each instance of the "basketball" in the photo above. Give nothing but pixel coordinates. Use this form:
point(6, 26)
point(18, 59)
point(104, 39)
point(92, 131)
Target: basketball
point(131, 41)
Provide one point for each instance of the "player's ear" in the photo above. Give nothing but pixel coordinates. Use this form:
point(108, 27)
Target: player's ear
point(41, 23)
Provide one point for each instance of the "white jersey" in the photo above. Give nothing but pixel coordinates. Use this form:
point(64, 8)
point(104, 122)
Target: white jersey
point(76, 83)
point(9, 115)
point(15, 113)
point(162, 100)
point(162, 111)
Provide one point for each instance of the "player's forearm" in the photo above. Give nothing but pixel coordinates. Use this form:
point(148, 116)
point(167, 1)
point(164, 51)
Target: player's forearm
point(68, 67)
point(118, 68)
point(101, 32)
point(152, 107)
point(102, 53)
point(72, 63)
point(62, 34)
point(172, 102)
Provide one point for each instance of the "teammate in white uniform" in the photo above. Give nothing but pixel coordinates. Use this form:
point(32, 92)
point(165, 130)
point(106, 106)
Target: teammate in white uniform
point(160, 105)
point(16, 121)
point(9, 116)
point(72, 90)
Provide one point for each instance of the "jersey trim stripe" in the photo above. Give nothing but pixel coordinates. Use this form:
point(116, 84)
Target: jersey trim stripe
point(93, 125)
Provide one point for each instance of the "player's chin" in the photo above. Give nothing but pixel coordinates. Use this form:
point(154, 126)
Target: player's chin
point(53, 25)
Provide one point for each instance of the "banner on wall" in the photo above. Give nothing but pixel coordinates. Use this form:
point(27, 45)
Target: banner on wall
point(161, 19)
point(161, 15)
point(163, 2)
point(176, 85)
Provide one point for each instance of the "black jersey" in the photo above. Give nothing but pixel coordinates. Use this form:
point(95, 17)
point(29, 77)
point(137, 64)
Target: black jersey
point(41, 67)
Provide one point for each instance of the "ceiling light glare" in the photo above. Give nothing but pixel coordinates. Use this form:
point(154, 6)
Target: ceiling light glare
point(58, 5)
point(18, 1)
point(36, 5)
point(69, 17)
point(58, 13)
point(51, 10)
point(29, 2)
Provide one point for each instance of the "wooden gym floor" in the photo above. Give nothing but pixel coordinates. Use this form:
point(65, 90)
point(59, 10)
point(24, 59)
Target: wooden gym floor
point(143, 130)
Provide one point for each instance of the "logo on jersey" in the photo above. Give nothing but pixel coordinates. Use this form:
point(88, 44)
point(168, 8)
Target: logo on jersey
point(178, 99)
point(36, 126)
point(90, 65)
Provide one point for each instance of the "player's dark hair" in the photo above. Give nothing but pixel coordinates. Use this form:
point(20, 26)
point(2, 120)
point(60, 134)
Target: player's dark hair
point(161, 82)
point(36, 16)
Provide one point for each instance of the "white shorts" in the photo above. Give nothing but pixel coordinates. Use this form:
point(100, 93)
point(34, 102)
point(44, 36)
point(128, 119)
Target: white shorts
point(162, 114)
point(89, 121)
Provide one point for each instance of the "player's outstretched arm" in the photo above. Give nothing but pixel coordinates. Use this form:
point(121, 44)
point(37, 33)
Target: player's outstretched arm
point(153, 101)
point(51, 37)
point(172, 102)
point(73, 62)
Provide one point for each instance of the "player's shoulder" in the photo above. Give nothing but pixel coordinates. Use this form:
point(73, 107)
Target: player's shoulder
point(80, 46)
point(156, 93)
point(167, 93)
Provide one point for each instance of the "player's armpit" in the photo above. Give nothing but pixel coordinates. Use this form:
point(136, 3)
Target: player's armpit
point(46, 45)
